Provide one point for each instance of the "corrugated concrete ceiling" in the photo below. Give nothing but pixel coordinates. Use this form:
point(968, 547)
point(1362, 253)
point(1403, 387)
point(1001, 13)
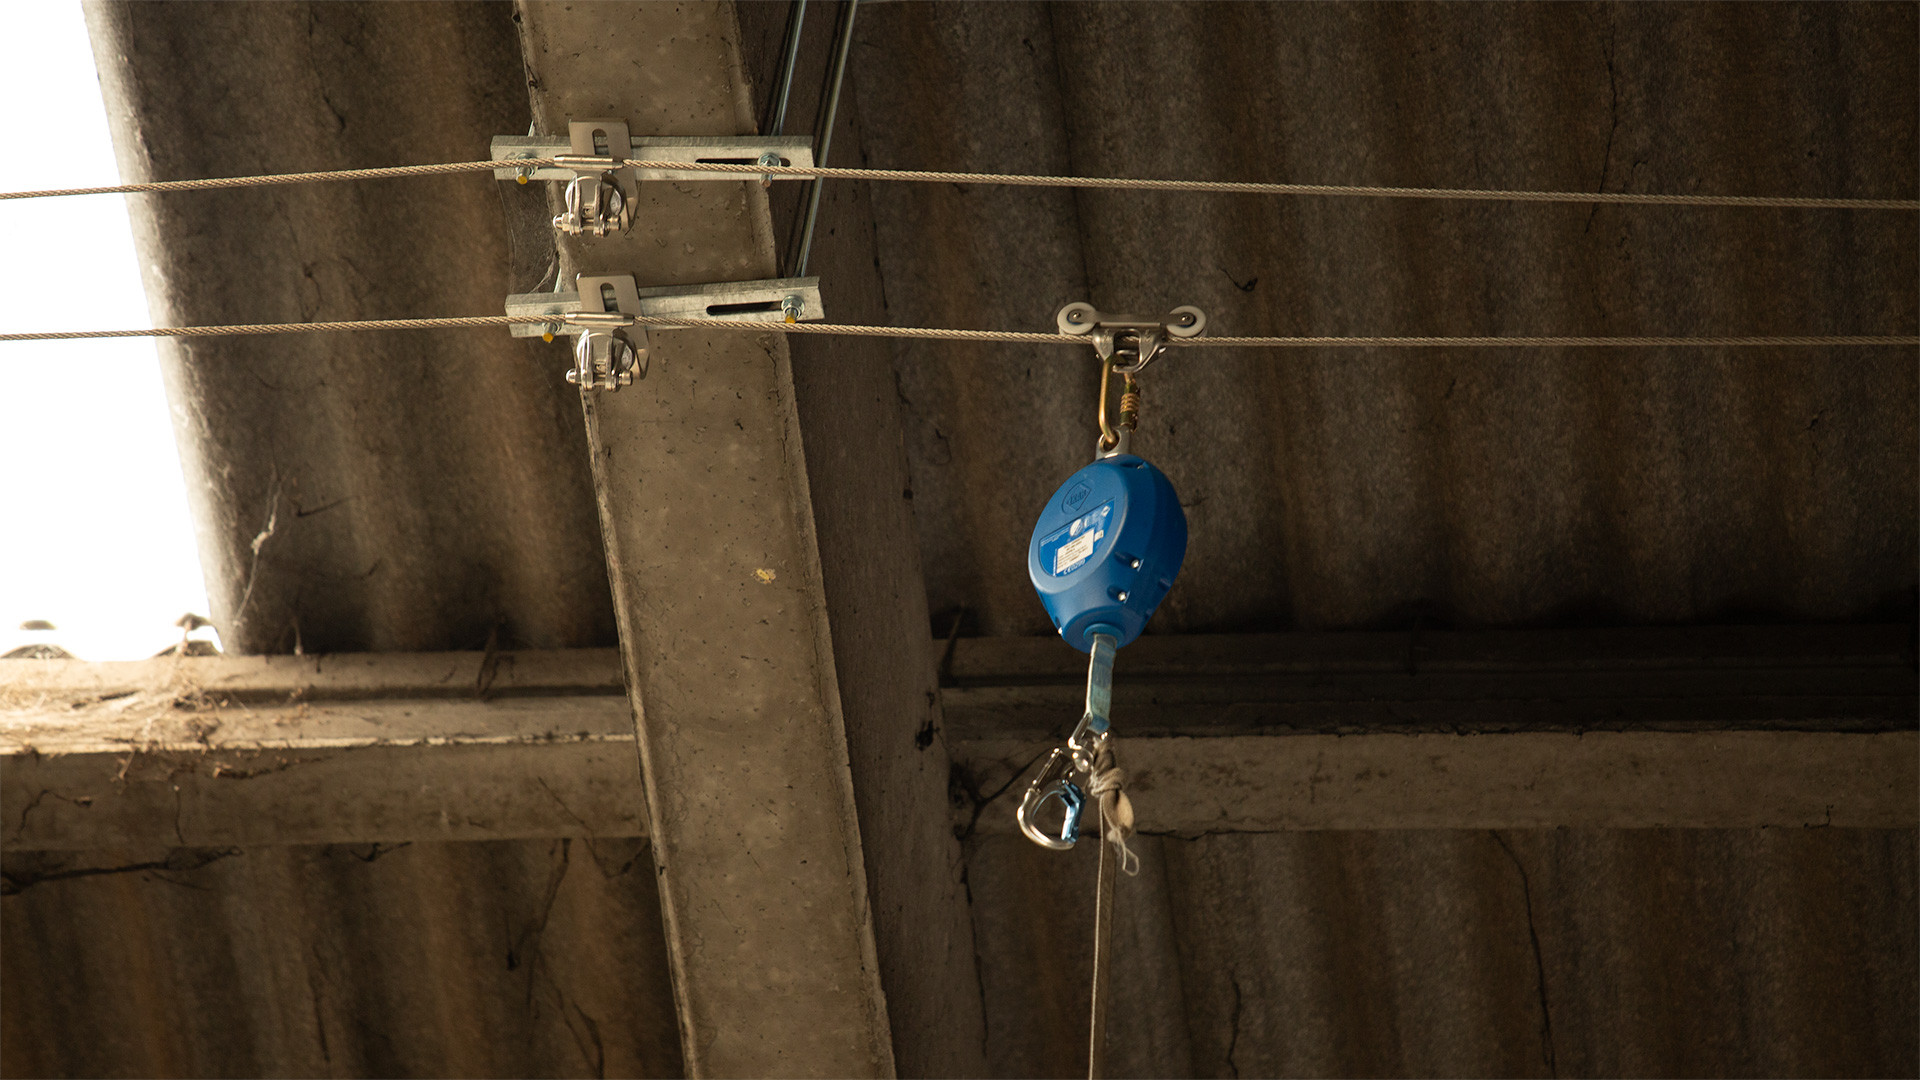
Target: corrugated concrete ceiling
point(510, 958)
point(1670, 953)
point(424, 488)
point(1530, 953)
point(387, 491)
point(420, 491)
point(1359, 488)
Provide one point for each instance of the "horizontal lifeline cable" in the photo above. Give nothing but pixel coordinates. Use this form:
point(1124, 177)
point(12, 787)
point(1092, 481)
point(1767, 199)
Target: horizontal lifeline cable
point(1016, 336)
point(806, 172)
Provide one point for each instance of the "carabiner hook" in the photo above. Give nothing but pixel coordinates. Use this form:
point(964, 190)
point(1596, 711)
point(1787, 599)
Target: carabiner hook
point(1053, 783)
point(1077, 756)
point(1112, 440)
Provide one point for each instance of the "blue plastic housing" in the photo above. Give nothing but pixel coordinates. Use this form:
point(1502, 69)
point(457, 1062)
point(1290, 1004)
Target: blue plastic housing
point(1106, 549)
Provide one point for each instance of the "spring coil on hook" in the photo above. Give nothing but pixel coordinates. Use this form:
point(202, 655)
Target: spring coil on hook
point(1117, 438)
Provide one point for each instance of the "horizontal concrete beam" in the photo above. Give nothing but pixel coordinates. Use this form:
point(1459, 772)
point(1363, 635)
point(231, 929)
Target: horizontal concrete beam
point(1786, 678)
point(340, 676)
point(1700, 727)
point(219, 751)
point(1625, 729)
point(1523, 780)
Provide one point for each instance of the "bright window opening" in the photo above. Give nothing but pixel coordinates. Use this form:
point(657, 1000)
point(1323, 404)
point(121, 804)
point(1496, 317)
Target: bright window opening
point(95, 537)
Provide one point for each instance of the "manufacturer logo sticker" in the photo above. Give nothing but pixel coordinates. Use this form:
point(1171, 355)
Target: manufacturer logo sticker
point(1076, 497)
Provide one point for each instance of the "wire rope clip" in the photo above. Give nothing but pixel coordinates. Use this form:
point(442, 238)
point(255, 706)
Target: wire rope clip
point(600, 196)
point(602, 163)
point(605, 309)
point(610, 351)
point(1129, 342)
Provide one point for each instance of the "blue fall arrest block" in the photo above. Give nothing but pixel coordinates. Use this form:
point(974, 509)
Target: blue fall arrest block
point(1106, 550)
point(1103, 555)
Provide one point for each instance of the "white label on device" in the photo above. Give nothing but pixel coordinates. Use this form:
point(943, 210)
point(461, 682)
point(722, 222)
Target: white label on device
point(1076, 551)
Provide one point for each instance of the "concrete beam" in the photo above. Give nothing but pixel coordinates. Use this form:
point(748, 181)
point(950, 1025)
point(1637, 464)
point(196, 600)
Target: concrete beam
point(847, 397)
point(707, 518)
point(1521, 780)
point(1697, 727)
point(1788, 726)
point(1810, 678)
point(358, 748)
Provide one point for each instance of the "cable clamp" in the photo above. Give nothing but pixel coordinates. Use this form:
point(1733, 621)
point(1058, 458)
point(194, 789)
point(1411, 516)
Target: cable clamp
point(600, 195)
point(603, 163)
point(604, 312)
point(610, 352)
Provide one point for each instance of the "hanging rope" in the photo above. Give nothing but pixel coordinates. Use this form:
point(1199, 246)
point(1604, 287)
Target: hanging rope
point(1108, 783)
point(921, 176)
point(1015, 336)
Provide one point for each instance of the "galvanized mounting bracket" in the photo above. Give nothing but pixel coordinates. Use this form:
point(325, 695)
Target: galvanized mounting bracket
point(602, 163)
point(613, 350)
point(1130, 342)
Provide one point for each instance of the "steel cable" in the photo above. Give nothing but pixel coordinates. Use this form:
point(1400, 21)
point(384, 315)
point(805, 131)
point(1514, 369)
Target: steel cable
point(1011, 336)
point(1232, 187)
point(213, 183)
point(1525, 342)
point(1225, 187)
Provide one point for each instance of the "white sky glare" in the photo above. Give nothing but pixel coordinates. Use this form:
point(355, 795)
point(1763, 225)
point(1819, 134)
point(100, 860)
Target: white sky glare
point(95, 536)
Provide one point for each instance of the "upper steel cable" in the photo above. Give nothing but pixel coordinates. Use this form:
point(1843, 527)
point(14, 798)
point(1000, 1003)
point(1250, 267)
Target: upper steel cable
point(274, 179)
point(1017, 336)
point(1224, 187)
point(920, 176)
point(1234, 187)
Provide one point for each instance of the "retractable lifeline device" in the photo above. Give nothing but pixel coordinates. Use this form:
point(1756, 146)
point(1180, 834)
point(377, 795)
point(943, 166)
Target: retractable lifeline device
point(1104, 553)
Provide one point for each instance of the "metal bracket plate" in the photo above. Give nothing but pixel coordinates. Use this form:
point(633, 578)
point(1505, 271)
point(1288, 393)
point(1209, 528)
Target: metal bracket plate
point(608, 293)
point(599, 138)
point(743, 150)
point(734, 301)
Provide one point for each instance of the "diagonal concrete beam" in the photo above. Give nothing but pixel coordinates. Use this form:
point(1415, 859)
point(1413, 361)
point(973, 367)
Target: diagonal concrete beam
point(847, 398)
point(704, 505)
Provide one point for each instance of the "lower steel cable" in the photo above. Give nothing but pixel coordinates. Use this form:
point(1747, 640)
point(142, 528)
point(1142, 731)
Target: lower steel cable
point(1011, 336)
point(921, 176)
